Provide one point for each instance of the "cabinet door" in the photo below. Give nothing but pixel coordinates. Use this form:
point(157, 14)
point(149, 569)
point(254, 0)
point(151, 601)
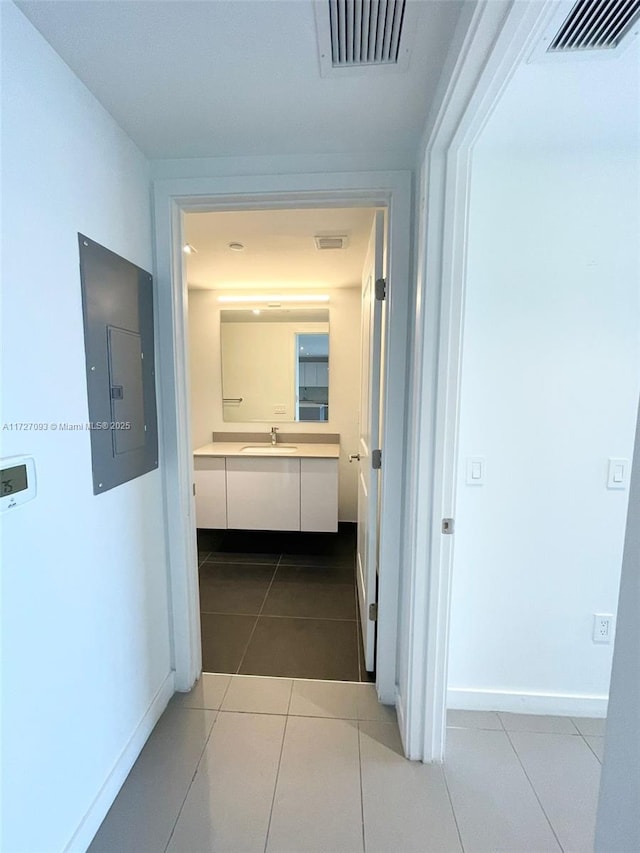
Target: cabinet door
point(310, 374)
point(263, 494)
point(322, 374)
point(319, 495)
point(211, 491)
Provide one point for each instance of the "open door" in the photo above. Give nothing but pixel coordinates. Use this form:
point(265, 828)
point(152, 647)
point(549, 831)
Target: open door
point(369, 440)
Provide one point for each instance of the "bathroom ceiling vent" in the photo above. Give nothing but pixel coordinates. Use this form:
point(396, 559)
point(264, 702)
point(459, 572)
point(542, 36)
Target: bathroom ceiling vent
point(331, 242)
point(591, 29)
point(364, 35)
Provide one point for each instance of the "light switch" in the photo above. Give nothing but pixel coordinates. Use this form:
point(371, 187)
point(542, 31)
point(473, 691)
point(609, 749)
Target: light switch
point(475, 470)
point(618, 473)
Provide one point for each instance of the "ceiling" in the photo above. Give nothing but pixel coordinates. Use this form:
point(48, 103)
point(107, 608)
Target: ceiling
point(240, 77)
point(280, 252)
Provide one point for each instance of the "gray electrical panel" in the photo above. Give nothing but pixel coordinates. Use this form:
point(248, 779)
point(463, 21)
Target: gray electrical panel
point(117, 303)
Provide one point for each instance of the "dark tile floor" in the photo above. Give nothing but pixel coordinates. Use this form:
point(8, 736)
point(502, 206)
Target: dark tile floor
point(280, 604)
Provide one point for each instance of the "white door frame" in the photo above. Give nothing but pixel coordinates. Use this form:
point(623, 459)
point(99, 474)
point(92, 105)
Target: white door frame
point(497, 38)
point(176, 196)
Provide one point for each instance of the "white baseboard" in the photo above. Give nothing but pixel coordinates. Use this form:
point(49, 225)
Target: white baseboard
point(557, 704)
point(95, 815)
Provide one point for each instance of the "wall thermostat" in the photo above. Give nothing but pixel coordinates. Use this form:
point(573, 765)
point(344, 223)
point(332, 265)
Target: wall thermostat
point(18, 481)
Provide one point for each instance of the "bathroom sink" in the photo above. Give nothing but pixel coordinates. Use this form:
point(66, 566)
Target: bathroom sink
point(268, 449)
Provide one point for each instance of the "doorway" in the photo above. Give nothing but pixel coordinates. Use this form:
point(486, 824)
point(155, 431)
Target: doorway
point(175, 197)
point(276, 363)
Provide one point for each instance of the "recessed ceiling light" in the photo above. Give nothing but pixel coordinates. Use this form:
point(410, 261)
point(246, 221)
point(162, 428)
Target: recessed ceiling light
point(236, 247)
point(188, 249)
point(256, 310)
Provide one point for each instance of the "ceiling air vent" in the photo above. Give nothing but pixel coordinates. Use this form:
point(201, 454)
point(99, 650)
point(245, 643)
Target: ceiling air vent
point(590, 29)
point(331, 242)
point(596, 26)
point(364, 35)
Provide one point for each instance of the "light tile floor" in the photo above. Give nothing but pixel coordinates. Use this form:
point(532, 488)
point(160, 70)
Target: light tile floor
point(245, 764)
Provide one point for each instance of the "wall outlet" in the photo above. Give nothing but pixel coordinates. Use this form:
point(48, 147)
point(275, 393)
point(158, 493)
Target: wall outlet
point(602, 627)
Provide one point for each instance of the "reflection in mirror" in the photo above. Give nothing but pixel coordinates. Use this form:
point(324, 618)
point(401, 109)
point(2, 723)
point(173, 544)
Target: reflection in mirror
point(313, 377)
point(275, 364)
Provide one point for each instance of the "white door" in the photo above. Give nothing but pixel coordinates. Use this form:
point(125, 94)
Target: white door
point(367, 551)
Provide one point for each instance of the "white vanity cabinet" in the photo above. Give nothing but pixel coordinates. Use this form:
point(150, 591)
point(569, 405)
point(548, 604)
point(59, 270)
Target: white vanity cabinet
point(267, 493)
point(263, 494)
point(319, 494)
point(211, 491)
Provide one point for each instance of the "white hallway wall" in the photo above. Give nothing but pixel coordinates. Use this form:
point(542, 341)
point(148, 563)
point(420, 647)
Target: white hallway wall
point(549, 392)
point(618, 826)
point(85, 631)
point(344, 382)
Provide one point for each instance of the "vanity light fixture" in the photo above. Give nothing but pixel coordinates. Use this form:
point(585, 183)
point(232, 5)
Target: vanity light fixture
point(188, 249)
point(305, 297)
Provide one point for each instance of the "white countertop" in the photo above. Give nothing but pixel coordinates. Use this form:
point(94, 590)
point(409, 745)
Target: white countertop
point(306, 450)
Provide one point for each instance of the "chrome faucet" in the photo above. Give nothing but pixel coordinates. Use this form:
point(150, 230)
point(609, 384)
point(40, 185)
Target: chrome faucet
point(274, 436)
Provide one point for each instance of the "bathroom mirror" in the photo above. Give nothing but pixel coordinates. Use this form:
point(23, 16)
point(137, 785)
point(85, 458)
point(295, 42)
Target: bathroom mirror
point(275, 364)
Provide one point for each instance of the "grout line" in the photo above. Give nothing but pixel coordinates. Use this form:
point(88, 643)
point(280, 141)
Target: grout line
point(226, 690)
point(239, 563)
point(246, 648)
point(572, 721)
point(475, 729)
point(256, 713)
point(195, 773)
point(453, 809)
point(535, 793)
point(274, 616)
point(584, 738)
point(253, 630)
point(275, 787)
point(364, 840)
point(284, 678)
point(330, 564)
point(288, 714)
point(290, 697)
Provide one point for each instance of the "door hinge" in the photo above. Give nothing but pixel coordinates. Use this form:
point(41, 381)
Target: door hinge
point(373, 612)
point(381, 289)
point(376, 459)
point(194, 490)
point(447, 525)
